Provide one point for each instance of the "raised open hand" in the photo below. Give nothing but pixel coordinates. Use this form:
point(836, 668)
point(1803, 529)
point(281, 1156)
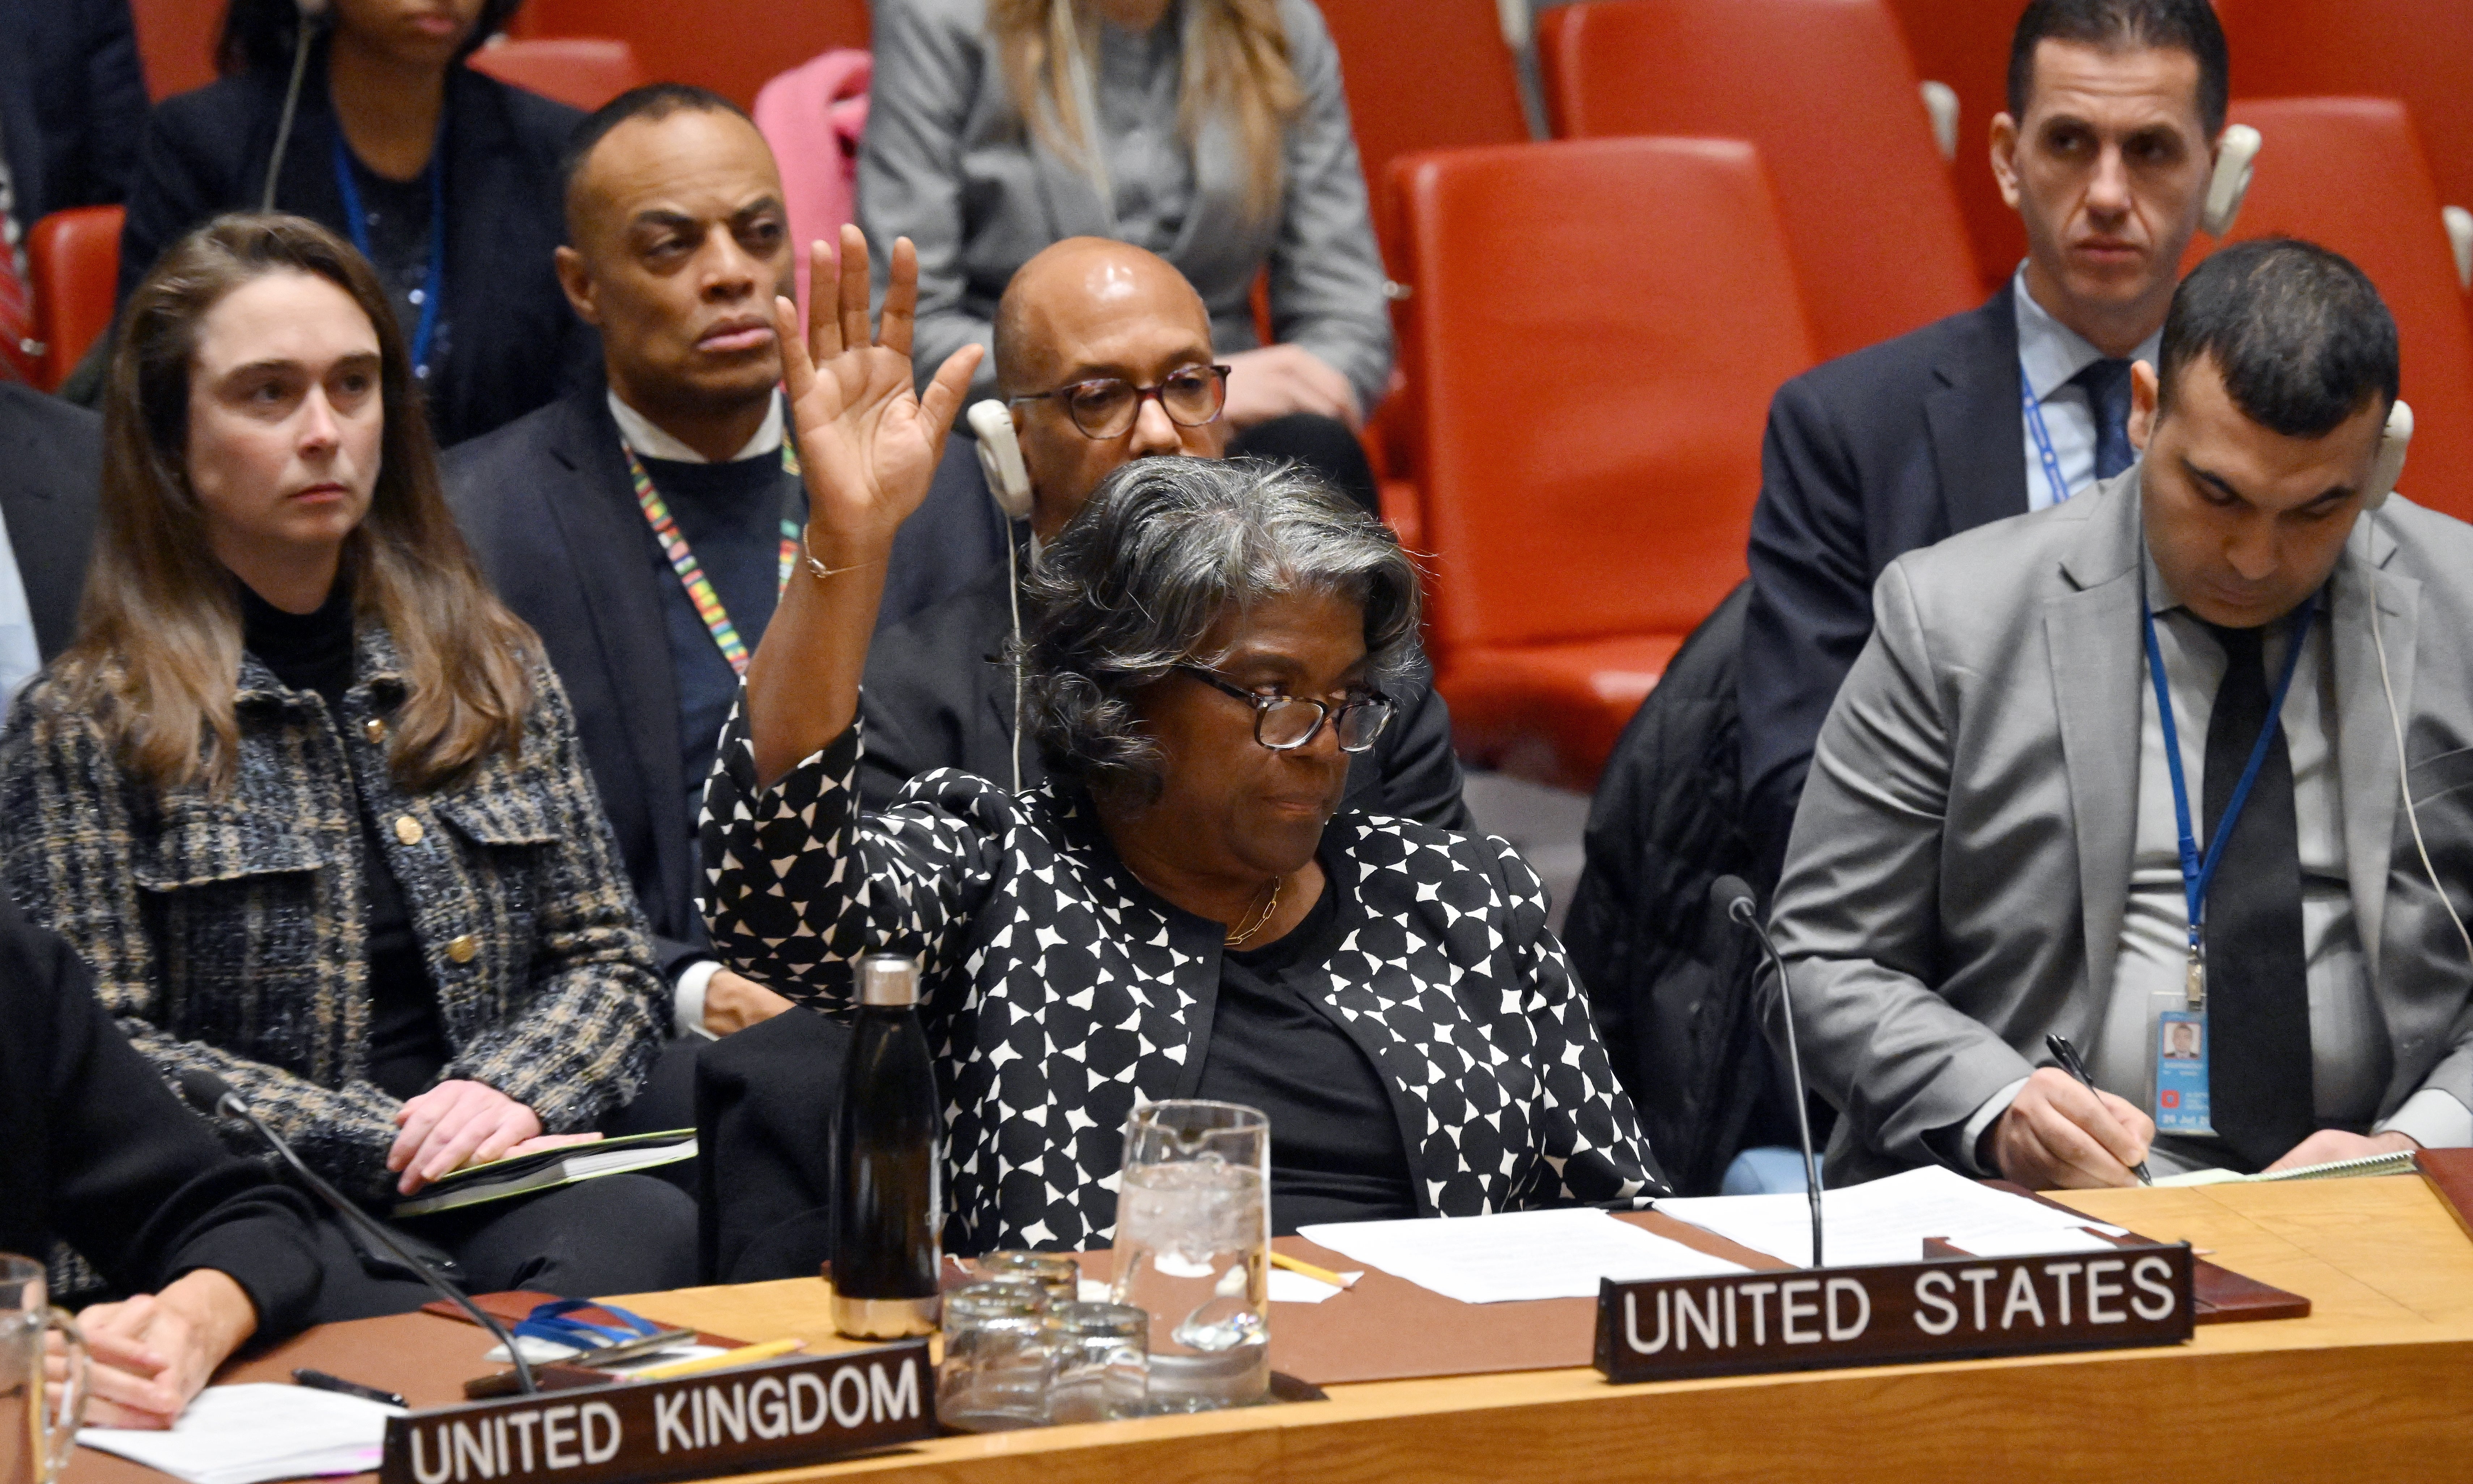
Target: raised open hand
point(867, 441)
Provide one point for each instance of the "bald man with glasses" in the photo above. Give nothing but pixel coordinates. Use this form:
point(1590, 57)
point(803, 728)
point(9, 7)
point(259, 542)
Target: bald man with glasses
point(1103, 356)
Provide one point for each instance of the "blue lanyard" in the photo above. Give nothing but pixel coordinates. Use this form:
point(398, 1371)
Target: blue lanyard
point(2196, 873)
point(2043, 439)
point(433, 287)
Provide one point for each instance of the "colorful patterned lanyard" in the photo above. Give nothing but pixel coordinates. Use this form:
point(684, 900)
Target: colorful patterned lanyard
point(683, 559)
point(2043, 439)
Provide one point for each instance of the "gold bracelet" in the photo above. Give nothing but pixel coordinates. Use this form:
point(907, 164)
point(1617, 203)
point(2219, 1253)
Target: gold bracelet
point(807, 549)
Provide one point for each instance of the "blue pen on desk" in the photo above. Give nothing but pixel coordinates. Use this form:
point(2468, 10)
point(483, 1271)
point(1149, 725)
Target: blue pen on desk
point(2068, 1056)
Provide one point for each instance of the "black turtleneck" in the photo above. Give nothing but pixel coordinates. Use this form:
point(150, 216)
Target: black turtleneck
point(313, 651)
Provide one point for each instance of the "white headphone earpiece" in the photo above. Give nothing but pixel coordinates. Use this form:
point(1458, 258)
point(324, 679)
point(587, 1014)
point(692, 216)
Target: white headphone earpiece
point(2236, 158)
point(2394, 441)
point(1000, 457)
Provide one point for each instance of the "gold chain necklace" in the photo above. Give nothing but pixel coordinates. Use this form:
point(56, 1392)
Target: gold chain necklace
point(1262, 918)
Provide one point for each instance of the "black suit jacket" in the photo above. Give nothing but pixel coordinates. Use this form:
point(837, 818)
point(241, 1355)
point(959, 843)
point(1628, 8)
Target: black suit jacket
point(51, 460)
point(549, 509)
point(95, 1150)
point(513, 343)
point(937, 695)
point(1871, 456)
point(72, 101)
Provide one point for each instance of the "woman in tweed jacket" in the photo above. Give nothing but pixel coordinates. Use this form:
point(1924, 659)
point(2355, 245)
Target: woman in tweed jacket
point(1178, 913)
point(301, 793)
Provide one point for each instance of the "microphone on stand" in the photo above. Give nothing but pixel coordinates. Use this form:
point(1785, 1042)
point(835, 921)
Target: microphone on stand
point(1737, 902)
point(210, 1095)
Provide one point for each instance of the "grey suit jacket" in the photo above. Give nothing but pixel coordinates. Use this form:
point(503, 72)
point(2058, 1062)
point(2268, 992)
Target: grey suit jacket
point(1961, 861)
point(946, 162)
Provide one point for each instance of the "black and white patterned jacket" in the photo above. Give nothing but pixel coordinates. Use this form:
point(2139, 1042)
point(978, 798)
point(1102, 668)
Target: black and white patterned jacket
point(1058, 990)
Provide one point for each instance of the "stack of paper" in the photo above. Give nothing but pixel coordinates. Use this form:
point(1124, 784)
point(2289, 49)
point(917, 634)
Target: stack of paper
point(1518, 1256)
point(250, 1434)
point(1887, 1221)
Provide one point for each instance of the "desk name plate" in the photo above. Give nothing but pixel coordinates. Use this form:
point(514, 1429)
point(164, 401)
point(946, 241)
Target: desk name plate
point(771, 1415)
point(1946, 1308)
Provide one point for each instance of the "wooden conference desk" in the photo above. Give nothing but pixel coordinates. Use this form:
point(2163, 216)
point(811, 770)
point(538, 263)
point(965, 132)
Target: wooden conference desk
point(2377, 1384)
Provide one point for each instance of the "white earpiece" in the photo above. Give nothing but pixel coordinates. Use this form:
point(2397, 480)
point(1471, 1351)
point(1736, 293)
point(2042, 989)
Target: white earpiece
point(2236, 158)
point(2394, 442)
point(1001, 458)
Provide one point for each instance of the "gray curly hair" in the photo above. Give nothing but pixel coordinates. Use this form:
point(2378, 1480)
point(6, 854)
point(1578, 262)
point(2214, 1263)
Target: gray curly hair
point(1161, 551)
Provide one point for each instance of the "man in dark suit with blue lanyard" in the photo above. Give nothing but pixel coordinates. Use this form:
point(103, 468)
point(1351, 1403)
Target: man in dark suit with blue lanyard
point(2115, 107)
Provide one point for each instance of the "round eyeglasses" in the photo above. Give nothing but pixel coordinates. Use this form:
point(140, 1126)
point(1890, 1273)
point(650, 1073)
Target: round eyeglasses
point(1106, 406)
point(1286, 722)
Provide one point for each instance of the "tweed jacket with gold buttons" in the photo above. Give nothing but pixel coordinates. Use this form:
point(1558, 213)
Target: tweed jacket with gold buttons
point(229, 931)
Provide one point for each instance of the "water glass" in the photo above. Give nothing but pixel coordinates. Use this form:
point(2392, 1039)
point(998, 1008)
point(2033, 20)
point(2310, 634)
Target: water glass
point(1054, 1271)
point(37, 1430)
point(999, 1358)
point(1193, 1242)
point(1102, 1362)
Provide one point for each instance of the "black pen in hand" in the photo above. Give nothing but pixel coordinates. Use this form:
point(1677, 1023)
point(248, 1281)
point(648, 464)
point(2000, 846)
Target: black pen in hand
point(320, 1381)
point(2068, 1056)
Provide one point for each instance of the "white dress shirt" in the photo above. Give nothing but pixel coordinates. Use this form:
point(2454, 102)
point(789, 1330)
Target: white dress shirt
point(19, 658)
point(2350, 1056)
point(646, 437)
point(2050, 353)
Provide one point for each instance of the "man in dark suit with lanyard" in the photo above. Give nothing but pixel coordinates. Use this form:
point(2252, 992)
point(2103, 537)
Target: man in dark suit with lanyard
point(2105, 151)
point(643, 528)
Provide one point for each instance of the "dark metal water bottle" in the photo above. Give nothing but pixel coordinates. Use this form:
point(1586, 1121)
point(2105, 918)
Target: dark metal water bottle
point(889, 1165)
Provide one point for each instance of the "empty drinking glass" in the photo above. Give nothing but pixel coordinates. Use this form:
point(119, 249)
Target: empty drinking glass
point(1102, 1362)
point(1193, 1235)
point(35, 1427)
point(1054, 1271)
point(999, 1357)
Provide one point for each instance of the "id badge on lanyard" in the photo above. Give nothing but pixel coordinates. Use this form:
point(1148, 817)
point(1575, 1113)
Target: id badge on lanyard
point(2181, 1047)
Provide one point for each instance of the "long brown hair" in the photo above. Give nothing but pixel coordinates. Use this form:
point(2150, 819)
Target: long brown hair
point(157, 654)
point(1236, 61)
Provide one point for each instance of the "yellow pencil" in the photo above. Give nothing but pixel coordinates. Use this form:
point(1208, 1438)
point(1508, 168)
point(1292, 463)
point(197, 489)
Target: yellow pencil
point(1281, 1259)
point(744, 1355)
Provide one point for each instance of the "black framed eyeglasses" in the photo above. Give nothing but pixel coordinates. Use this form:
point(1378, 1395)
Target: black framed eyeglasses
point(1286, 722)
point(1106, 406)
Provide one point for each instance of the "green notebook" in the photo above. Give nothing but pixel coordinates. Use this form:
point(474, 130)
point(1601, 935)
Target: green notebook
point(549, 1169)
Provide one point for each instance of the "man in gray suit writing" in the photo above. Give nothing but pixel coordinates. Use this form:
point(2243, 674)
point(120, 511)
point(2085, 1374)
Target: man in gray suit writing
point(2227, 686)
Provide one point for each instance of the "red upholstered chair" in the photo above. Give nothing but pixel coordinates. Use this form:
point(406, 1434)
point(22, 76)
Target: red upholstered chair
point(1597, 326)
point(734, 47)
point(73, 258)
point(1826, 92)
point(1964, 45)
point(2420, 51)
point(582, 72)
point(2348, 174)
point(175, 43)
point(1433, 76)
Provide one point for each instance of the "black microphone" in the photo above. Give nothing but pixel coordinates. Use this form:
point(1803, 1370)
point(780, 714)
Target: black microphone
point(210, 1095)
point(1737, 901)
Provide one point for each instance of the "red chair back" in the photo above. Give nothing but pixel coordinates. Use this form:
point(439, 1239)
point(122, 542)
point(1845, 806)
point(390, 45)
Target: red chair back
point(731, 46)
point(1435, 76)
point(1965, 44)
point(1827, 92)
point(73, 257)
point(582, 72)
point(2420, 51)
point(175, 43)
point(1598, 327)
point(2348, 174)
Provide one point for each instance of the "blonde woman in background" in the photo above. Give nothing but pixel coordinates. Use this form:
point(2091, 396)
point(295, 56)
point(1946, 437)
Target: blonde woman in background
point(1214, 132)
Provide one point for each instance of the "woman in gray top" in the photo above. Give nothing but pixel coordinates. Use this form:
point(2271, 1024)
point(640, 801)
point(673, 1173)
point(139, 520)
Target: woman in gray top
point(1212, 132)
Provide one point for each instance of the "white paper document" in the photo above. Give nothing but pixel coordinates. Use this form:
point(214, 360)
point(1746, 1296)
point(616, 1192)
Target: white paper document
point(1514, 1256)
point(1886, 1220)
point(250, 1434)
